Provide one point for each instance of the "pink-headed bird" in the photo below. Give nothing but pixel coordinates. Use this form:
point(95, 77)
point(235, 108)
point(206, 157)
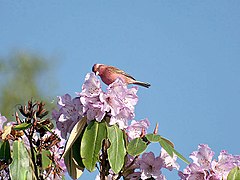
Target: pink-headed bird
point(109, 74)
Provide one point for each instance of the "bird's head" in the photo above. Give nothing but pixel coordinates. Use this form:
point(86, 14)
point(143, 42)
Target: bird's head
point(96, 68)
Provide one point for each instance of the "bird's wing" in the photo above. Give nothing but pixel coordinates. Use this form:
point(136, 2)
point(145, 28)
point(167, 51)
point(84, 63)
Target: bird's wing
point(119, 71)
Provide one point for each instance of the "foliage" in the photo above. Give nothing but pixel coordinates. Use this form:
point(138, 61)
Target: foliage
point(29, 148)
point(234, 174)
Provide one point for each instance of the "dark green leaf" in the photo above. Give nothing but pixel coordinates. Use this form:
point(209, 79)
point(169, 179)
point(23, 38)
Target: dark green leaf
point(76, 151)
point(5, 154)
point(116, 151)
point(136, 147)
point(153, 137)
point(74, 170)
point(71, 154)
point(91, 144)
point(22, 126)
point(234, 174)
point(21, 167)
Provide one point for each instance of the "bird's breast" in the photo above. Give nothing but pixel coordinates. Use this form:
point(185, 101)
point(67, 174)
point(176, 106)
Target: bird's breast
point(110, 77)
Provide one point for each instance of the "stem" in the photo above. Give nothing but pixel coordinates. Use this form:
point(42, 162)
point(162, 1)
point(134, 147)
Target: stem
point(126, 168)
point(33, 157)
point(104, 163)
point(132, 162)
point(40, 159)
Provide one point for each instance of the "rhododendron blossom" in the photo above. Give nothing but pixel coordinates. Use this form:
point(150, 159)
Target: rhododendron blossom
point(137, 128)
point(226, 162)
point(150, 166)
point(203, 156)
point(204, 168)
point(68, 114)
point(117, 102)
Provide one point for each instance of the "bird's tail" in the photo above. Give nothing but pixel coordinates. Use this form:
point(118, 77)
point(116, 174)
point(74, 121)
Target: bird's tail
point(147, 85)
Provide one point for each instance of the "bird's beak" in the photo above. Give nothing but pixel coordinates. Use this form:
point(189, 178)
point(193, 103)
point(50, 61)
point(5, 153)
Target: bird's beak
point(97, 73)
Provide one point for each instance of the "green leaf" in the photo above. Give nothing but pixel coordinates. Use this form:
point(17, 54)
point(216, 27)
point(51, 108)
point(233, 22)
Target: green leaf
point(5, 154)
point(74, 170)
point(136, 147)
point(116, 151)
point(181, 157)
point(45, 159)
point(234, 174)
point(153, 137)
point(76, 151)
point(75, 133)
point(166, 146)
point(72, 157)
point(22, 126)
point(168, 141)
point(91, 144)
point(21, 167)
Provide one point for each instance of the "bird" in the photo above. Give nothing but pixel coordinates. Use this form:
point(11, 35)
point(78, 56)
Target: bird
point(109, 74)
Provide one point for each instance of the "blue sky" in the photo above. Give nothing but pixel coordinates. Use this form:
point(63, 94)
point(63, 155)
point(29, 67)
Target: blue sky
point(188, 50)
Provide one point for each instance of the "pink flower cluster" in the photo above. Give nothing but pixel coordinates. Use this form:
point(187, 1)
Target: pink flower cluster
point(203, 167)
point(149, 166)
point(137, 128)
point(68, 114)
point(117, 102)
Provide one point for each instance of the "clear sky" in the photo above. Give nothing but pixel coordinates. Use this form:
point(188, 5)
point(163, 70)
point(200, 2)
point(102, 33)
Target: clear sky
point(188, 50)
